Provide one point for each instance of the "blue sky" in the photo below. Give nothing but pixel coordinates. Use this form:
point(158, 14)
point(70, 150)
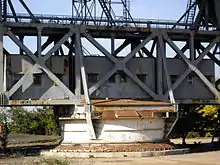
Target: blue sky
point(143, 9)
point(149, 9)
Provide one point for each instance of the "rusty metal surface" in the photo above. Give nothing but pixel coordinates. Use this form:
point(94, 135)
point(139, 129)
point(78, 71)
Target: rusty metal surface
point(41, 102)
point(114, 115)
point(118, 148)
point(126, 114)
point(127, 102)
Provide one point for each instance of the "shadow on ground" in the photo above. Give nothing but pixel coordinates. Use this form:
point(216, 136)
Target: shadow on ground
point(29, 145)
point(203, 147)
point(32, 145)
point(33, 150)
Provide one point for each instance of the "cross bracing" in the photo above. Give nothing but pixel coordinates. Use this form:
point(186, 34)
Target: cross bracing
point(69, 31)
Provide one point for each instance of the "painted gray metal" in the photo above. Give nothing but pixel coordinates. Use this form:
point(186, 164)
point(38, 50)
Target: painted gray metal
point(159, 87)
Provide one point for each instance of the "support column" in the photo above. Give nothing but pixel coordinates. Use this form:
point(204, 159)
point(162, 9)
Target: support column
point(71, 66)
point(1, 59)
point(192, 46)
point(162, 46)
point(39, 33)
point(56, 39)
point(112, 45)
point(21, 52)
point(1, 14)
point(159, 72)
point(79, 53)
point(77, 74)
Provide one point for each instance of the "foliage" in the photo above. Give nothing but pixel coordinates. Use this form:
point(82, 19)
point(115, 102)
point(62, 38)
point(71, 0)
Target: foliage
point(52, 161)
point(189, 121)
point(40, 121)
point(6, 131)
point(208, 134)
point(193, 135)
point(209, 111)
point(196, 121)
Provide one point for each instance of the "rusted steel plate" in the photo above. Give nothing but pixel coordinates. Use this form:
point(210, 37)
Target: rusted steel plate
point(121, 102)
point(126, 114)
point(108, 115)
point(145, 114)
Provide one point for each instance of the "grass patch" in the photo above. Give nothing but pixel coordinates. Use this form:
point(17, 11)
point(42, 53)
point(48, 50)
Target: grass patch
point(53, 161)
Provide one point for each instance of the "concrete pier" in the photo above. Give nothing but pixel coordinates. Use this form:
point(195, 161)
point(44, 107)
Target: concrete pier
point(121, 121)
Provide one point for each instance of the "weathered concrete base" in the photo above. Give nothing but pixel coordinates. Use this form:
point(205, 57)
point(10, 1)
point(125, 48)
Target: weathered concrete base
point(113, 131)
point(71, 154)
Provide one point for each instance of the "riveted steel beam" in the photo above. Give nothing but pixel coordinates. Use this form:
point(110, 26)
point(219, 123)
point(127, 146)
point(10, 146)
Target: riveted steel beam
point(167, 75)
point(141, 84)
point(79, 53)
point(39, 50)
point(193, 66)
point(2, 59)
point(58, 44)
point(184, 49)
point(100, 47)
point(17, 85)
point(40, 63)
point(28, 10)
point(96, 86)
point(120, 64)
point(139, 47)
point(192, 46)
point(45, 44)
point(13, 10)
point(159, 71)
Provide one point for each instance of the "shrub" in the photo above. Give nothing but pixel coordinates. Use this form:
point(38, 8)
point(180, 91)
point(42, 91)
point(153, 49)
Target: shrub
point(208, 134)
point(193, 135)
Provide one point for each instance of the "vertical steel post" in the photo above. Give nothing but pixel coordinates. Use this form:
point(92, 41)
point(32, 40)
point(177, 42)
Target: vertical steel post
point(79, 52)
point(77, 73)
point(159, 72)
point(192, 46)
point(1, 59)
point(21, 52)
point(1, 9)
point(112, 44)
point(39, 33)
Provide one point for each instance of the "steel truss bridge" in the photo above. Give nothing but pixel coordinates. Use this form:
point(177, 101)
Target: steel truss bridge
point(197, 25)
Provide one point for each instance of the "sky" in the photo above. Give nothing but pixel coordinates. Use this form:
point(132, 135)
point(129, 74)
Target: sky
point(141, 9)
point(148, 9)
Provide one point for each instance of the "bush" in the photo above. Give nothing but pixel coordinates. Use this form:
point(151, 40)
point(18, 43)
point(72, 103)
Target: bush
point(193, 135)
point(208, 134)
point(54, 161)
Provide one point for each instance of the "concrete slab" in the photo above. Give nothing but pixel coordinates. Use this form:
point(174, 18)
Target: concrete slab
point(72, 154)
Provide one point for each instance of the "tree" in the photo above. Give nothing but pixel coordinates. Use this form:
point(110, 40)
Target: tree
point(6, 131)
point(209, 111)
point(189, 120)
point(211, 116)
point(40, 121)
point(21, 120)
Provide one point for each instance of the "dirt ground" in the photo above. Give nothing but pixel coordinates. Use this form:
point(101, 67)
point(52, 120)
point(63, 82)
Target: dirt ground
point(209, 158)
point(24, 156)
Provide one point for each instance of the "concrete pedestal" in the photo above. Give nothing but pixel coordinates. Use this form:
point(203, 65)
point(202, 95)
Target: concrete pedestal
point(113, 131)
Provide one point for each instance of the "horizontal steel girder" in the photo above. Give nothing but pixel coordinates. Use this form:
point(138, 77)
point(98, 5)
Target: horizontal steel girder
point(40, 63)
point(120, 65)
point(192, 66)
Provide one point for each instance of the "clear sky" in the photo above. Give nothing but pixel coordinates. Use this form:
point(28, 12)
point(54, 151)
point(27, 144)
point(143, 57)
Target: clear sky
point(143, 9)
point(149, 9)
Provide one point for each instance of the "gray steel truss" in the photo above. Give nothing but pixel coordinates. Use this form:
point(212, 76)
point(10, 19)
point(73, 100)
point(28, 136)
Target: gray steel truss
point(84, 23)
point(159, 37)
